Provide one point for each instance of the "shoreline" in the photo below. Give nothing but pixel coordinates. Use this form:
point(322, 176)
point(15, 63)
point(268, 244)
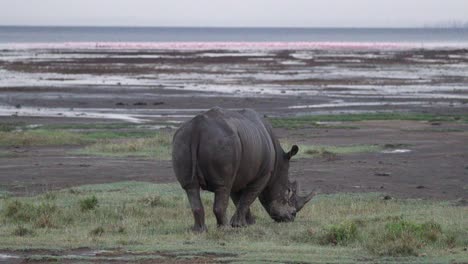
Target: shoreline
point(234, 45)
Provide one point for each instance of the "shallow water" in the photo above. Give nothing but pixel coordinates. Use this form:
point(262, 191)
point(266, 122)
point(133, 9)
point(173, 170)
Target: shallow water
point(341, 79)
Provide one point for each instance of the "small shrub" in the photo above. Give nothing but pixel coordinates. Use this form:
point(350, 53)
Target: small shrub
point(25, 212)
point(43, 216)
point(18, 211)
point(404, 238)
point(451, 240)
point(428, 231)
point(50, 196)
point(306, 236)
point(340, 234)
point(73, 191)
point(22, 231)
point(405, 245)
point(98, 231)
point(44, 221)
point(155, 201)
point(89, 203)
point(121, 230)
point(8, 127)
point(321, 152)
point(40, 215)
point(41, 138)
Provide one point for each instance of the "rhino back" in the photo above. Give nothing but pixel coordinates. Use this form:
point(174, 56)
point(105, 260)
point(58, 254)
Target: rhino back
point(232, 149)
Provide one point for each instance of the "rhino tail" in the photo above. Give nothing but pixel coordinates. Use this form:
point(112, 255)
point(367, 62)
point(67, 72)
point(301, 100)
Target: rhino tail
point(194, 152)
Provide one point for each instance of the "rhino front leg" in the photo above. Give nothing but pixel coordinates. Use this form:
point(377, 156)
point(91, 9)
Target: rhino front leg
point(220, 205)
point(249, 217)
point(196, 204)
point(247, 197)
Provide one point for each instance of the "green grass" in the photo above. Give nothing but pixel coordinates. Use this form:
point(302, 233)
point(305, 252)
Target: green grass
point(326, 151)
point(143, 143)
point(6, 154)
point(4, 193)
point(41, 138)
point(19, 134)
point(89, 203)
point(95, 126)
point(311, 121)
point(157, 146)
point(149, 218)
point(148, 143)
point(82, 126)
point(8, 127)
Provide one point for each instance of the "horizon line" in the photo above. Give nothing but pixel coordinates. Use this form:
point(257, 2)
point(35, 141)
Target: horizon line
point(240, 27)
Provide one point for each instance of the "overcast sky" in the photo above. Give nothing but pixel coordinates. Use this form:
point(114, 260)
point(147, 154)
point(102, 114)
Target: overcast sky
point(218, 13)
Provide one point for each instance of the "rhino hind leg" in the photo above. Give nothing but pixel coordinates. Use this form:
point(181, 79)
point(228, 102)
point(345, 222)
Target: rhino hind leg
point(249, 217)
point(220, 205)
point(196, 204)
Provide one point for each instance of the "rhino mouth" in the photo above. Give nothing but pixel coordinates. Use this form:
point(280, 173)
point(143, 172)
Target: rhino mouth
point(283, 218)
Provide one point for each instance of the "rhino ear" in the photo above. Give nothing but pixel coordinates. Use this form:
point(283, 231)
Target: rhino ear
point(293, 151)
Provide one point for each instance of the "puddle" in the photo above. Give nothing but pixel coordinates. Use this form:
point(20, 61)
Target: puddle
point(129, 115)
point(63, 112)
point(4, 257)
point(343, 104)
point(228, 54)
point(396, 151)
point(156, 127)
point(302, 56)
point(292, 62)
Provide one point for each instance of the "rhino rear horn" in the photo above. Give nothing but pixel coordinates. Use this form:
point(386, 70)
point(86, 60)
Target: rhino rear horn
point(302, 200)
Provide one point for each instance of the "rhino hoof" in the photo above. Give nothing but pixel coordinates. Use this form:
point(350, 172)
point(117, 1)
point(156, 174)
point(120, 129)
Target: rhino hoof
point(199, 229)
point(250, 220)
point(238, 222)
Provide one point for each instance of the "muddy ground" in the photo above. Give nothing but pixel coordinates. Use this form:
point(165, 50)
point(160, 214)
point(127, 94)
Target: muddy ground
point(84, 86)
point(436, 167)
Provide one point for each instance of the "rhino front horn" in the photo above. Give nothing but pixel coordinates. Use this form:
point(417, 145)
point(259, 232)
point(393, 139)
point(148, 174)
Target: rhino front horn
point(302, 200)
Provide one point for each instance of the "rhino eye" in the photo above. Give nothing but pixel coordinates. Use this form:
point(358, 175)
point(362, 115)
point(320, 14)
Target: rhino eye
point(289, 194)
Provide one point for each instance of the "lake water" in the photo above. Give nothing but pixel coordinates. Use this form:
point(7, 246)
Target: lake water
point(21, 34)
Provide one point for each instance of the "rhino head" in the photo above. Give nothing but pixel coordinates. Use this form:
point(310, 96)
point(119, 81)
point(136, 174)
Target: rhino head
point(280, 197)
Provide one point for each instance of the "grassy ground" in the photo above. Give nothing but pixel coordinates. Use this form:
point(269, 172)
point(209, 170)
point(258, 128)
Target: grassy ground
point(148, 218)
point(128, 140)
point(314, 120)
point(157, 146)
point(331, 152)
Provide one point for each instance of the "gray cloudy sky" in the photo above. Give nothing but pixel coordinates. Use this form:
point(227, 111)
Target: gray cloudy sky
point(301, 13)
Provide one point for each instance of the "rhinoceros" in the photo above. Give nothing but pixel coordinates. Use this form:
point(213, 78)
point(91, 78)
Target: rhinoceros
point(235, 154)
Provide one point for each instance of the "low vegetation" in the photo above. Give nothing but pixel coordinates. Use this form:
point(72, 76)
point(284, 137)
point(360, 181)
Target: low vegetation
point(89, 203)
point(332, 152)
point(144, 217)
point(41, 138)
point(143, 143)
point(126, 142)
point(157, 146)
point(8, 127)
point(6, 154)
point(16, 134)
point(317, 120)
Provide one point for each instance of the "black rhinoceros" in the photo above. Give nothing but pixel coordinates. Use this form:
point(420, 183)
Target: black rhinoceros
point(236, 154)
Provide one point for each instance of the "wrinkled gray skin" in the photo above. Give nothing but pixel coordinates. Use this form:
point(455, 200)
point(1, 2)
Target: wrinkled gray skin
point(234, 154)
